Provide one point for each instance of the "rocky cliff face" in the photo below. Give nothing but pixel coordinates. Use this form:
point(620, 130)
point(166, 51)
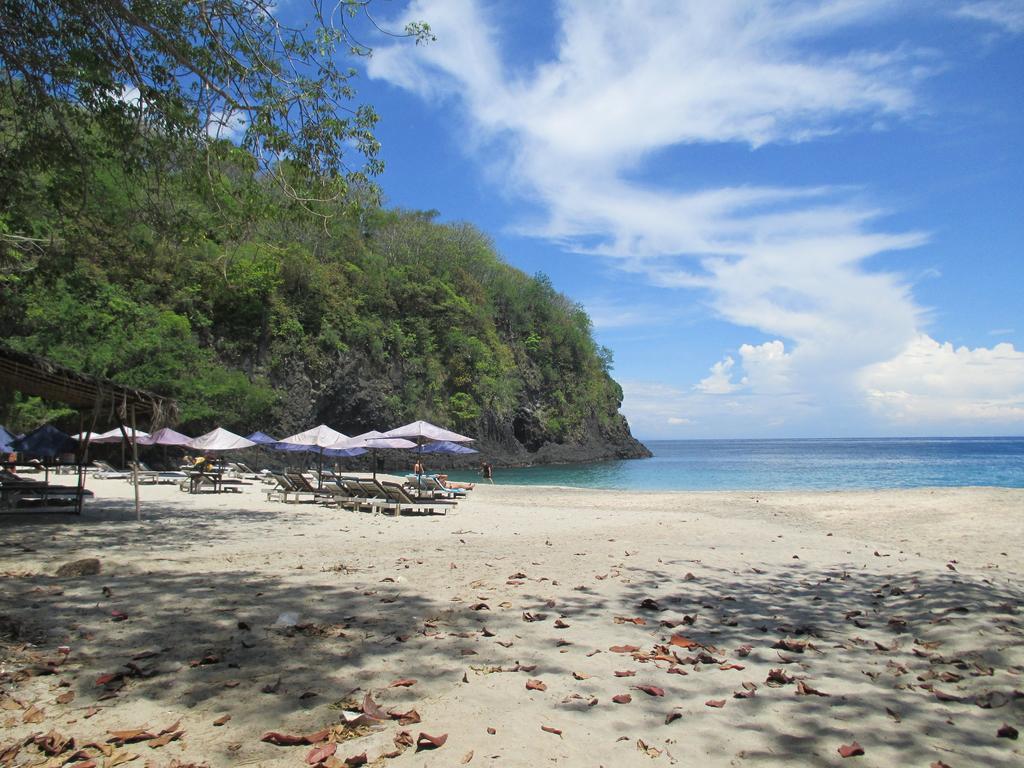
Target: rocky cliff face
point(355, 396)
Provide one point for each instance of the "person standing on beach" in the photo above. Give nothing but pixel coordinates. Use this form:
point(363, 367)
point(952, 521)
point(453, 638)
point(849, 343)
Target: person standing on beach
point(487, 471)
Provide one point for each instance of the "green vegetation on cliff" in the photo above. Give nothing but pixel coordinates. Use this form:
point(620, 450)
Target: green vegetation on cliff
point(205, 282)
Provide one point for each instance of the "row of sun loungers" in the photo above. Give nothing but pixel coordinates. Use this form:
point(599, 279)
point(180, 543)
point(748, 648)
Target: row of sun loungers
point(17, 492)
point(362, 494)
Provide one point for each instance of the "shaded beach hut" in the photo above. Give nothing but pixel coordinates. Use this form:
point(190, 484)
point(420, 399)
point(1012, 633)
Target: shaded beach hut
point(99, 398)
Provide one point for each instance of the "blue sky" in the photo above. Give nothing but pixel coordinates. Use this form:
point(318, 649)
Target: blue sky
point(785, 219)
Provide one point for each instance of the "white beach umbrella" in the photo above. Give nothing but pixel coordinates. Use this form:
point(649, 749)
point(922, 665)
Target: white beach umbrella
point(220, 439)
point(166, 436)
point(421, 432)
point(373, 441)
point(114, 435)
point(424, 432)
point(318, 439)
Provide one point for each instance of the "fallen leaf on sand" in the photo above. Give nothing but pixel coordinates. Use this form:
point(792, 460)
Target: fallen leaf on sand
point(671, 717)
point(221, 720)
point(491, 731)
point(405, 718)
point(744, 650)
point(549, 729)
point(122, 756)
point(683, 642)
point(467, 757)
point(405, 682)
point(851, 750)
point(650, 690)
point(648, 604)
point(647, 749)
point(480, 607)
point(129, 736)
point(486, 632)
point(370, 708)
point(777, 677)
point(426, 741)
point(893, 714)
point(559, 624)
point(527, 616)
point(625, 673)
point(727, 667)
point(403, 739)
point(623, 620)
point(580, 675)
point(535, 685)
point(33, 715)
point(164, 739)
point(355, 760)
point(622, 698)
point(321, 753)
point(118, 616)
point(803, 689)
point(716, 703)
point(939, 764)
point(1007, 732)
point(271, 687)
point(624, 649)
point(66, 698)
point(794, 646)
point(289, 740)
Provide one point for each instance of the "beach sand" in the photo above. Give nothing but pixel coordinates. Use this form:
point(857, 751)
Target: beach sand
point(902, 606)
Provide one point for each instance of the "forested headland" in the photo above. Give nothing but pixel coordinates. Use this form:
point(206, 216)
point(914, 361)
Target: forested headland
point(181, 265)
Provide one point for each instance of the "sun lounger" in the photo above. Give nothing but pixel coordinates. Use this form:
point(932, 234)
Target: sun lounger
point(18, 492)
point(429, 486)
point(105, 471)
point(285, 487)
point(203, 482)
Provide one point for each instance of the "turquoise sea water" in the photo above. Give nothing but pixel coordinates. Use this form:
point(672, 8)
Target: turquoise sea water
point(709, 465)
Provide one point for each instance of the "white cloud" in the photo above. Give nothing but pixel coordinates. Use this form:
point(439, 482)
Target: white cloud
point(931, 382)
point(719, 382)
point(574, 134)
point(225, 125)
point(1008, 14)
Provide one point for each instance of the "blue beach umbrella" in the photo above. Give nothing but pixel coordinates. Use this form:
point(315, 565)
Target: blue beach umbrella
point(447, 446)
point(6, 438)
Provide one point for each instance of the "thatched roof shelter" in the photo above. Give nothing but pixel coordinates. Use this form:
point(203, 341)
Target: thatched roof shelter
point(34, 375)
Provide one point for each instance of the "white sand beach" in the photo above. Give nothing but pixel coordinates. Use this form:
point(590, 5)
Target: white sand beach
point(902, 606)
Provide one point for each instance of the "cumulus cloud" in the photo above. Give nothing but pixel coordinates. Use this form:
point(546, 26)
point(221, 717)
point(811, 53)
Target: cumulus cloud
point(574, 132)
point(931, 382)
point(719, 382)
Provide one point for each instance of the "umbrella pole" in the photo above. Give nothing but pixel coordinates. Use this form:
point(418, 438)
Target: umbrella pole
point(373, 458)
point(135, 465)
point(320, 470)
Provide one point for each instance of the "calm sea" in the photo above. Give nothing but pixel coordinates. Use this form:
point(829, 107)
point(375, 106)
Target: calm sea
point(710, 465)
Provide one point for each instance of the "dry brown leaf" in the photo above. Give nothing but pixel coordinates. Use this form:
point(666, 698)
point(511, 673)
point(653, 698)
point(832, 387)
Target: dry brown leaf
point(403, 683)
point(850, 750)
point(33, 715)
point(622, 698)
point(426, 741)
point(319, 754)
point(164, 739)
point(467, 757)
point(716, 703)
point(550, 729)
point(221, 720)
point(625, 673)
point(581, 675)
point(535, 685)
